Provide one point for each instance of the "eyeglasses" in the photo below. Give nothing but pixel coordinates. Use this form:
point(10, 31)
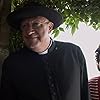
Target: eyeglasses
point(34, 25)
point(38, 25)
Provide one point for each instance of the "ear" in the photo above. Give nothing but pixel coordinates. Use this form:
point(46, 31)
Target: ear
point(51, 25)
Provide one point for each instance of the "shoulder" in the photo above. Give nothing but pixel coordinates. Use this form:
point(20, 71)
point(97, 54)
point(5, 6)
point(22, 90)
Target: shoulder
point(14, 55)
point(67, 45)
point(70, 49)
point(94, 86)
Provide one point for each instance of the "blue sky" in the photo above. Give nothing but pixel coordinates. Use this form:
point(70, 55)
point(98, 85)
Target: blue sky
point(88, 39)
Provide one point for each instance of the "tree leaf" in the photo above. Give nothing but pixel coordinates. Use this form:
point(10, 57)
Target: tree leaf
point(56, 33)
point(73, 29)
point(61, 29)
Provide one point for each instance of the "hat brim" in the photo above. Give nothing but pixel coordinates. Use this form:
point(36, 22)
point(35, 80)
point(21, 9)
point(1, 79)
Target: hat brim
point(14, 18)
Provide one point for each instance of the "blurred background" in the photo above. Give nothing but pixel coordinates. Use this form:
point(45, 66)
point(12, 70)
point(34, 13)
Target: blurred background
point(88, 39)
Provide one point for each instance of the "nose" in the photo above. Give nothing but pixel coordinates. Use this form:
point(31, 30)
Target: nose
point(30, 29)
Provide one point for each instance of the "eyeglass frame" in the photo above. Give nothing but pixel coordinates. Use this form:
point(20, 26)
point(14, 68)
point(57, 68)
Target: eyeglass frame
point(39, 25)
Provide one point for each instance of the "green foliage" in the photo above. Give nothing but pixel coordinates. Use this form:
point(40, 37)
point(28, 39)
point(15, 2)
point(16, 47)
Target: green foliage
point(15, 41)
point(73, 12)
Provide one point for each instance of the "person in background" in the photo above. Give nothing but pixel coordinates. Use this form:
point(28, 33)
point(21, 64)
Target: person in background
point(94, 83)
point(43, 69)
point(98, 57)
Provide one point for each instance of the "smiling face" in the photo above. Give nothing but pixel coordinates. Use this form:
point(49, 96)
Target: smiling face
point(35, 32)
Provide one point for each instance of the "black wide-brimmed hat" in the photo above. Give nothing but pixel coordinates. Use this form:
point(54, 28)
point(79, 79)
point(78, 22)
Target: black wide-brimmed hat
point(32, 10)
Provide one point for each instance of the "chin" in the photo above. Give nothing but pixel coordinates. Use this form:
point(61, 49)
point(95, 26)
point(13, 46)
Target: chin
point(35, 45)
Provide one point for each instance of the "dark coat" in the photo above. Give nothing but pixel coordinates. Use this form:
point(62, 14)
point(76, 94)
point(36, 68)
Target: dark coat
point(25, 74)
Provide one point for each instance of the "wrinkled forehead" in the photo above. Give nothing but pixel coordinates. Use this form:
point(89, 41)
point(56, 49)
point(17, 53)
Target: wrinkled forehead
point(35, 19)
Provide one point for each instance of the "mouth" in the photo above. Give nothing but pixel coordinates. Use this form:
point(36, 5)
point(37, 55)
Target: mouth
point(32, 36)
point(35, 36)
